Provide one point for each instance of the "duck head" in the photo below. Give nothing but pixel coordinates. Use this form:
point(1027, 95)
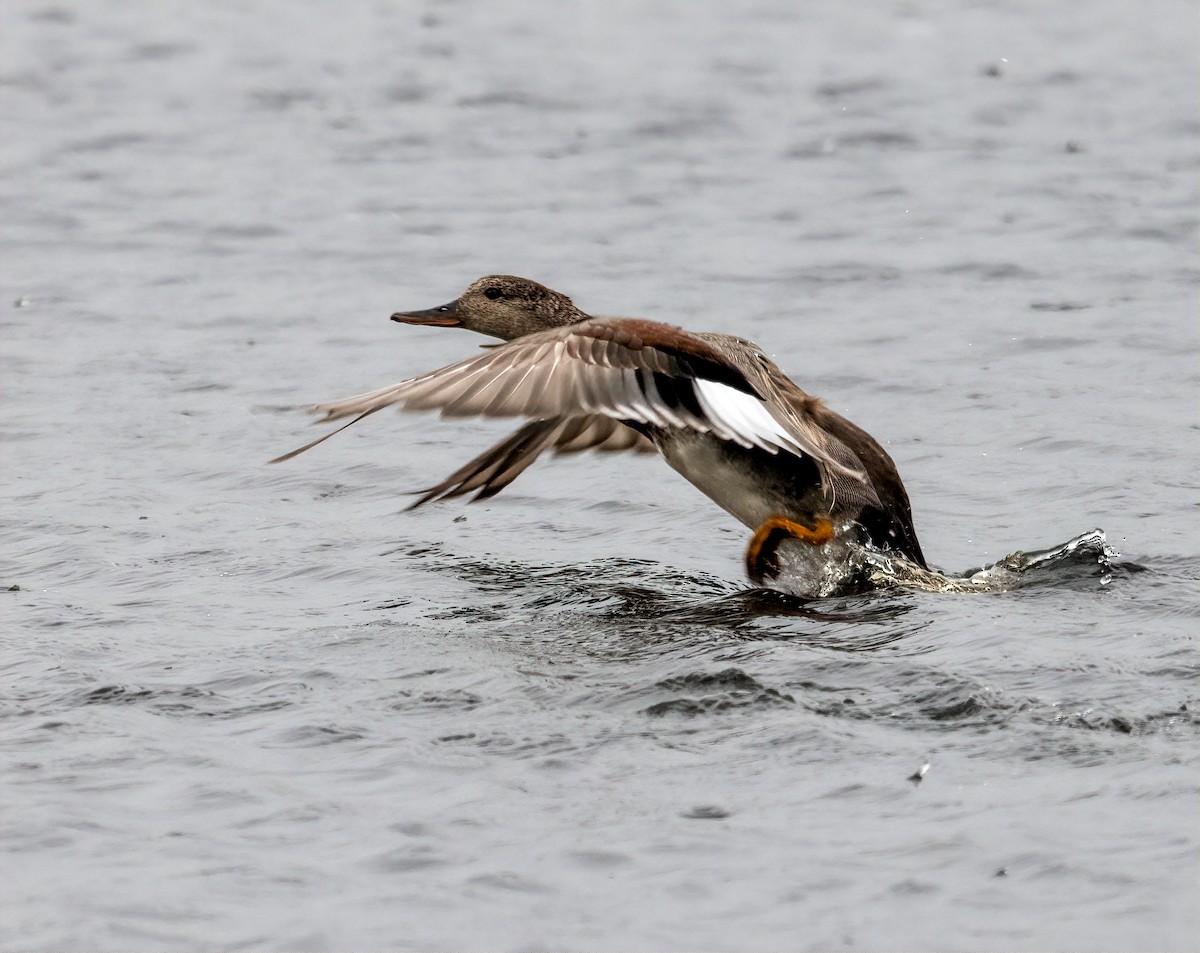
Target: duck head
point(502, 306)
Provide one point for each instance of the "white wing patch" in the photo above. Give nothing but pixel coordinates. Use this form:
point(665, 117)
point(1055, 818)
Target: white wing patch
point(742, 418)
point(543, 382)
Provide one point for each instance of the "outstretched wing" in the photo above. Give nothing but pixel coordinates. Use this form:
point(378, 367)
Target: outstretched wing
point(622, 369)
point(498, 466)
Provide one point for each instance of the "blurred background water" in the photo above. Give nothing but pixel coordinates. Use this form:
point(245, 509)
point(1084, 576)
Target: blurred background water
point(252, 707)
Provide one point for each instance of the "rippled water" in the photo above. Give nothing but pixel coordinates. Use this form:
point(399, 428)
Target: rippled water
point(252, 707)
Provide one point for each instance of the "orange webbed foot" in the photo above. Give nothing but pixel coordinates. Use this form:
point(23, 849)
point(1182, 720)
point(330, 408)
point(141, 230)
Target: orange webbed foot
point(762, 555)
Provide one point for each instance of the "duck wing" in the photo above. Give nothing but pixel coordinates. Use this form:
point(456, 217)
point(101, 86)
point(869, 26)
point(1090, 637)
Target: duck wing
point(498, 466)
point(623, 369)
point(864, 479)
point(801, 416)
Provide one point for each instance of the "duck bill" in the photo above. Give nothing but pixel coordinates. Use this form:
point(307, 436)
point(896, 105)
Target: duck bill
point(443, 316)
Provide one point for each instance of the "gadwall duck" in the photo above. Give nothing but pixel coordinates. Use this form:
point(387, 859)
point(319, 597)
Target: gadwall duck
point(719, 411)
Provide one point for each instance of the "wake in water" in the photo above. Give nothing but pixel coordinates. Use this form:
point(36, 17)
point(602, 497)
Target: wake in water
point(853, 568)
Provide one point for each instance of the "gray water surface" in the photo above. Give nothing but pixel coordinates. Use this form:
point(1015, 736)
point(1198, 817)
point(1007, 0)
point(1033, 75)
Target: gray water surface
point(253, 707)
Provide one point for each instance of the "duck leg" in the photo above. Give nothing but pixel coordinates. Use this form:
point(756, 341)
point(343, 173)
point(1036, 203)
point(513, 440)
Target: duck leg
point(762, 555)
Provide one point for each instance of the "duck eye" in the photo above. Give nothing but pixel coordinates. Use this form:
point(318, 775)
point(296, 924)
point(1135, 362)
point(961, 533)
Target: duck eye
point(492, 293)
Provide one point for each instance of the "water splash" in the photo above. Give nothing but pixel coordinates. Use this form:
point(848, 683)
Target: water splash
point(1087, 556)
point(840, 568)
point(847, 567)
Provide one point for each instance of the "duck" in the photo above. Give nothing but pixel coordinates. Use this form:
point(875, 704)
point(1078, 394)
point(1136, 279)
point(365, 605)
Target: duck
point(714, 406)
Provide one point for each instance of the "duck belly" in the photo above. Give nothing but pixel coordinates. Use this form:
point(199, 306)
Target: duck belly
point(750, 484)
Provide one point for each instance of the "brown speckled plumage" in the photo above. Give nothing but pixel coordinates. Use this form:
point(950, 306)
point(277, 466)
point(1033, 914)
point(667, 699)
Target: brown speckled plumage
point(717, 408)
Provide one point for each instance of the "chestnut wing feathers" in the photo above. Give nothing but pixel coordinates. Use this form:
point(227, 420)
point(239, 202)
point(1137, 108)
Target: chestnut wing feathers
point(595, 367)
point(568, 380)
